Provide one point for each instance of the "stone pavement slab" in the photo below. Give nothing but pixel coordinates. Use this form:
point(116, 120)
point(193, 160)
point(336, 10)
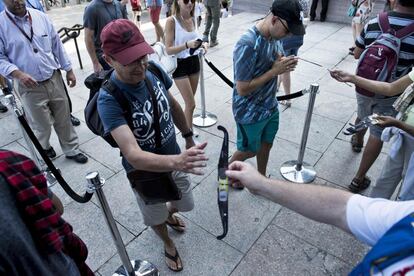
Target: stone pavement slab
point(201, 252)
point(278, 252)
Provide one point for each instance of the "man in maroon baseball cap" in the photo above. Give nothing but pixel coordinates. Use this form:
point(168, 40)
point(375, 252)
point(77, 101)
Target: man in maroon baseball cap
point(148, 148)
point(123, 41)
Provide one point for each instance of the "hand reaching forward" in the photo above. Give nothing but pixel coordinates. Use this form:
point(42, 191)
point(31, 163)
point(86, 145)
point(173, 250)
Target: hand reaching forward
point(341, 76)
point(387, 121)
point(245, 174)
point(192, 160)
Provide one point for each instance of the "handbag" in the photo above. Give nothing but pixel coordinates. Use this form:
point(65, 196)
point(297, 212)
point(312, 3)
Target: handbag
point(353, 7)
point(166, 61)
point(154, 187)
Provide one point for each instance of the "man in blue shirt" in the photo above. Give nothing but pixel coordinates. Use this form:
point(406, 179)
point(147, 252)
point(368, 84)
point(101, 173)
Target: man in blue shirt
point(39, 81)
point(257, 63)
point(126, 50)
point(35, 4)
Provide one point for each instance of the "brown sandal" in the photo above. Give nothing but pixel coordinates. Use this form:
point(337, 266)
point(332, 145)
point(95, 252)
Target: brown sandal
point(356, 147)
point(357, 185)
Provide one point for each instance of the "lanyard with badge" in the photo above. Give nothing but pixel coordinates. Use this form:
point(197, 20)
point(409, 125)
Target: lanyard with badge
point(30, 38)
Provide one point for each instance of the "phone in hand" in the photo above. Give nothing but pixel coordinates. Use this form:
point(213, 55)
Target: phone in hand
point(192, 50)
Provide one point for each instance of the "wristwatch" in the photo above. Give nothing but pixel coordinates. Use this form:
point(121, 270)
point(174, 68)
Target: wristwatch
point(188, 134)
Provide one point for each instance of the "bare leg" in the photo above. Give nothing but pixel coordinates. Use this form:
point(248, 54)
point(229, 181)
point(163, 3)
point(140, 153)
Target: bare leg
point(285, 79)
point(161, 231)
point(371, 152)
point(185, 87)
point(159, 31)
point(263, 157)
point(360, 135)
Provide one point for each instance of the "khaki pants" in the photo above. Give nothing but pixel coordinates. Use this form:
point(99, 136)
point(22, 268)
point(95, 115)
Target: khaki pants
point(46, 105)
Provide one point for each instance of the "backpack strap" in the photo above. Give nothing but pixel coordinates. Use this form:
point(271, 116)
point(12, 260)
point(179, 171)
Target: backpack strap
point(406, 31)
point(113, 89)
point(385, 26)
point(384, 23)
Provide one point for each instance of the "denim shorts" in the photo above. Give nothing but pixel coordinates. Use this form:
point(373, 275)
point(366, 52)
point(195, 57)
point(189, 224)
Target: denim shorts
point(251, 136)
point(370, 105)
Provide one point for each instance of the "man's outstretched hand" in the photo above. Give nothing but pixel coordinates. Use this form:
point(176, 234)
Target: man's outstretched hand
point(192, 160)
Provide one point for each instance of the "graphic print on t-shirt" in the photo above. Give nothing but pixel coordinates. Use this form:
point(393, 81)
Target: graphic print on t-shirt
point(142, 119)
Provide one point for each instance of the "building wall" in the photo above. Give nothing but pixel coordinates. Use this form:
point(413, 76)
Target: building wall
point(337, 11)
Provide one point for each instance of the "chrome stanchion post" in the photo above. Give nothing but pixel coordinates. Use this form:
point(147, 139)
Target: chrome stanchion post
point(297, 170)
point(136, 267)
point(203, 119)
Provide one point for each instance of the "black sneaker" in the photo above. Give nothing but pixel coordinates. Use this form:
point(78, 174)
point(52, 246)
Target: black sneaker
point(50, 152)
point(78, 158)
point(75, 121)
point(3, 108)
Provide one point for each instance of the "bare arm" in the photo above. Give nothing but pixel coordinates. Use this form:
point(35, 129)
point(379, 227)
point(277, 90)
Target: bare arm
point(378, 87)
point(357, 52)
point(387, 121)
point(322, 204)
point(188, 161)
point(170, 36)
point(282, 65)
point(90, 47)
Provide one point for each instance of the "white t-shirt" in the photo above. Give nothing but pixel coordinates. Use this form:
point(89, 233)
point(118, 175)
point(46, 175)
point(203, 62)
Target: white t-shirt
point(369, 219)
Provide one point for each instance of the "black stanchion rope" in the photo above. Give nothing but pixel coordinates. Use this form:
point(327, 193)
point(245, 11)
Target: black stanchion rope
point(231, 84)
point(51, 166)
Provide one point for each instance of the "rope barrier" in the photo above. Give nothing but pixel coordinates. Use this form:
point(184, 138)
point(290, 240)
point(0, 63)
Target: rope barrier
point(231, 84)
point(59, 178)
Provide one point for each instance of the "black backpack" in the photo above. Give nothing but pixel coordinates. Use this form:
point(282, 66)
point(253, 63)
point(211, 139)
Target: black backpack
point(94, 83)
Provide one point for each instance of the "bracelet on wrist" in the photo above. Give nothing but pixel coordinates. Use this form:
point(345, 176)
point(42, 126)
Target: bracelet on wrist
point(186, 46)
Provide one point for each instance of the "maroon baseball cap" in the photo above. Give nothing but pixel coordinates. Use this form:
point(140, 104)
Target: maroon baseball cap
point(123, 41)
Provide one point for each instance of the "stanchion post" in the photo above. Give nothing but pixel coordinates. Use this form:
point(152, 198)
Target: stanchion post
point(203, 119)
point(297, 170)
point(129, 268)
point(18, 111)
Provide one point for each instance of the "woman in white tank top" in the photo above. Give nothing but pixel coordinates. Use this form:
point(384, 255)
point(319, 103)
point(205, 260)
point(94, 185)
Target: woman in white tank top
point(180, 37)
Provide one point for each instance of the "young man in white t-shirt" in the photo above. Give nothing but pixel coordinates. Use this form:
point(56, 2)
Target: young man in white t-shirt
point(368, 219)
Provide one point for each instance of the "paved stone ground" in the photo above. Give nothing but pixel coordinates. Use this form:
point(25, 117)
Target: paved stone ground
point(263, 238)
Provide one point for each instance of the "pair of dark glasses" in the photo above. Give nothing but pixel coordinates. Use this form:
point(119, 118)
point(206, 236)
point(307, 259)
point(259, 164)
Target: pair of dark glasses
point(284, 25)
point(187, 1)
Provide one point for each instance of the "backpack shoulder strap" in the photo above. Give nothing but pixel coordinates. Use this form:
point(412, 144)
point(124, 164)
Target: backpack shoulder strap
point(406, 31)
point(384, 23)
point(156, 71)
point(113, 89)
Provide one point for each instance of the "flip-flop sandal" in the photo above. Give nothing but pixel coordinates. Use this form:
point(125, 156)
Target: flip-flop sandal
point(178, 225)
point(174, 259)
point(357, 186)
point(356, 147)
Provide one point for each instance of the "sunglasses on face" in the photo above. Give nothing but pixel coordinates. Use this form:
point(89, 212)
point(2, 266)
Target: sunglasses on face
point(284, 25)
point(188, 1)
